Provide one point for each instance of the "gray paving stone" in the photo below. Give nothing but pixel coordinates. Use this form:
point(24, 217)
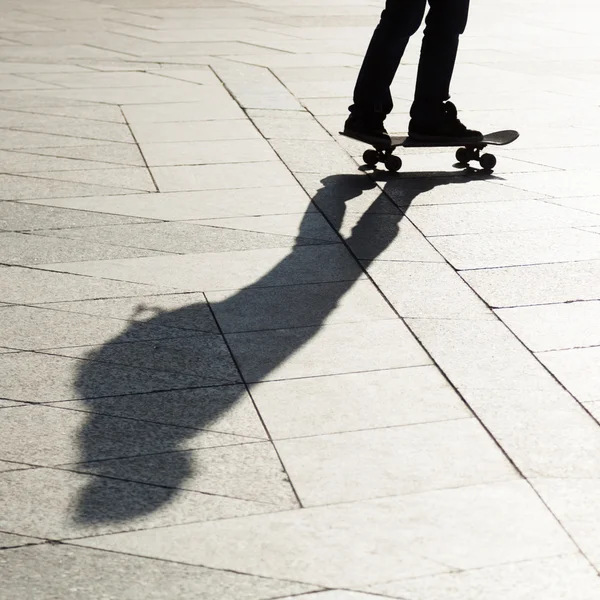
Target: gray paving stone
point(203, 357)
point(181, 311)
point(316, 157)
point(28, 286)
point(230, 270)
point(208, 152)
point(298, 306)
point(347, 467)
point(27, 162)
point(222, 176)
point(129, 178)
point(479, 354)
point(8, 403)
point(187, 238)
point(132, 95)
point(20, 187)
point(59, 504)
point(244, 471)
point(335, 595)
point(301, 226)
point(331, 349)
point(456, 189)
point(495, 216)
point(183, 112)
point(117, 154)
point(555, 326)
point(357, 544)
point(589, 204)
point(427, 290)
point(226, 409)
point(6, 466)
point(211, 204)
point(66, 126)
point(537, 284)
point(545, 432)
point(557, 578)
point(29, 328)
point(33, 249)
point(289, 125)
point(49, 436)
point(35, 377)
point(477, 251)
point(8, 540)
point(18, 216)
point(577, 370)
point(575, 504)
point(85, 574)
point(556, 184)
point(13, 140)
point(356, 401)
point(194, 131)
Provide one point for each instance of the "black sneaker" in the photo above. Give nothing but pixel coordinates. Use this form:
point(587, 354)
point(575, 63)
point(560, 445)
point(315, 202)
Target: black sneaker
point(445, 128)
point(367, 129)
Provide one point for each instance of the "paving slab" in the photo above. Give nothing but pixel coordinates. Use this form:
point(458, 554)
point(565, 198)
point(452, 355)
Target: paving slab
point(29, 328)
point(85, 570)
point(229, 270)
point(484, 251)
point(211, 204)
point(248, 471)
point(221, 176)
point(179, 311)
point(298, 306)
point(52, 378)
point(427, 291)
point(346, 467)
point(451, 527)
point(517, 581)
point(28, 286)
point(18, 216)
point(575, 369)
point(59, 504)
point(358, 401)
point(331, 349)
point(555, 326)
point(34, 249)
point(191, 237)
point(62, 436)
point(537, 284)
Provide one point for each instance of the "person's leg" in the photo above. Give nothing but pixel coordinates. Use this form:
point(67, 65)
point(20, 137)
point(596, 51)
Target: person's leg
point(372, 97)
point(445, 22)
point(431, 113)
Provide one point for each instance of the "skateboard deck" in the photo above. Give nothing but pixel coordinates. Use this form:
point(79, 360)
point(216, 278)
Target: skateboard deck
point(467, 151)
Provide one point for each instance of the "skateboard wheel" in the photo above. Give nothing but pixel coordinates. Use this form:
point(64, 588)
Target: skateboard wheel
point(463, 156)
point(371, 157)
point(487, 161)
point(393, 163)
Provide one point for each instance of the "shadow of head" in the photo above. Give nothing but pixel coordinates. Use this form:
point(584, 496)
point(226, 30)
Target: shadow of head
point(172, 383)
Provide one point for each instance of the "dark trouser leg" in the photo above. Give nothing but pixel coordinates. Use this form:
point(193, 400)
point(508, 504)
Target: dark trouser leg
point(445, 22)
point(399, 20)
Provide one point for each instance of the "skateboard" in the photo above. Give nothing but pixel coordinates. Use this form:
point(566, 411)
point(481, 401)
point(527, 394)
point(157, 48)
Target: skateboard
point(383, 149)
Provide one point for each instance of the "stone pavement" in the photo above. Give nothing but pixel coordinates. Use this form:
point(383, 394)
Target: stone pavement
point(235, 367)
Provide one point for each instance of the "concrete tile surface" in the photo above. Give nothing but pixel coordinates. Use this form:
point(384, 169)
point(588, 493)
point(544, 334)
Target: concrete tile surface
point(282, 374)
point(84, 574)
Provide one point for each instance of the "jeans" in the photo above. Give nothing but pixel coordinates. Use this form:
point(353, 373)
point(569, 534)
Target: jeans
point(445, 22)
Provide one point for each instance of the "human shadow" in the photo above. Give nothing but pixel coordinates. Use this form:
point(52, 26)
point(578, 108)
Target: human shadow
point(198, 382)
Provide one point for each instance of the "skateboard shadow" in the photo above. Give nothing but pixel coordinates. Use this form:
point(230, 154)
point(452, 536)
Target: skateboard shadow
point(121, 451)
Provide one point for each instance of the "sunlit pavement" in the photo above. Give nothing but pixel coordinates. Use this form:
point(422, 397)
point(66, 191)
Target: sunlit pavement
point(234, 366)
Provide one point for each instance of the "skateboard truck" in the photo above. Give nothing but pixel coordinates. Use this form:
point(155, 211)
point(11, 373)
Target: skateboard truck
point(382, 151)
